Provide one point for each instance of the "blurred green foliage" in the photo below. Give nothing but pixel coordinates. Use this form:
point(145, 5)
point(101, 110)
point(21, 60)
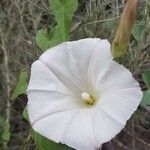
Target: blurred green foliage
point(6, 133)
point(4, 130)
point(21, 85)
point(63, 11)
point(137, 31)
point(146, 78)
point(43, 39)
point(146, 94)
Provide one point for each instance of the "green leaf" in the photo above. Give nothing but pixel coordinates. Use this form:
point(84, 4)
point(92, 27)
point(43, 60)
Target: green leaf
point(146, 98)
point(146, 78)
point(45, 144)
point(46, 40)
point(6, 133)
point(55, 36)
point(21, 85)
point(43, 39)
point(25, 113)
point(63, 11)
point(137, 31)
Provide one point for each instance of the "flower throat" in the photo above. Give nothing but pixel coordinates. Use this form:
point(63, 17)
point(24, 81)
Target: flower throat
point(88, 99)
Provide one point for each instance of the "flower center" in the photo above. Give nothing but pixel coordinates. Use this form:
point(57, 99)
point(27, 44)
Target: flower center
point(88, 99)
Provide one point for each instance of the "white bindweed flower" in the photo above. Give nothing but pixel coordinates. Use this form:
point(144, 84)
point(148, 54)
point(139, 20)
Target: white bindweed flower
point(79, 96)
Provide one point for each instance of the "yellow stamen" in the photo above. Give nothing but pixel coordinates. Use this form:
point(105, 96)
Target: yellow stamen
point(89, 100)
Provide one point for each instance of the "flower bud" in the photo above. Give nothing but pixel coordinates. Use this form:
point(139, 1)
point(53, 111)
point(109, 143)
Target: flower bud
point(122, 38)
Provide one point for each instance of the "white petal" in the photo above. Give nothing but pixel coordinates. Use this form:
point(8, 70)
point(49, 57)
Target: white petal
point(79, 132)
point(80, 53)
point(121, 103)
point(54, 126)
point(42, 104)
point(59, 78)
point(119, 95)
point(116, 77)
point(104, 126)
point(42, 78)
point(72, 60)
point(100, 59)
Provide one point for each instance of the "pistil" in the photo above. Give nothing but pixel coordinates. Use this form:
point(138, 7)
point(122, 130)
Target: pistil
point(88, 99)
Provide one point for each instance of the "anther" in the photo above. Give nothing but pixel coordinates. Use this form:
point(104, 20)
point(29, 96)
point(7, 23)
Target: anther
point(85, 96)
